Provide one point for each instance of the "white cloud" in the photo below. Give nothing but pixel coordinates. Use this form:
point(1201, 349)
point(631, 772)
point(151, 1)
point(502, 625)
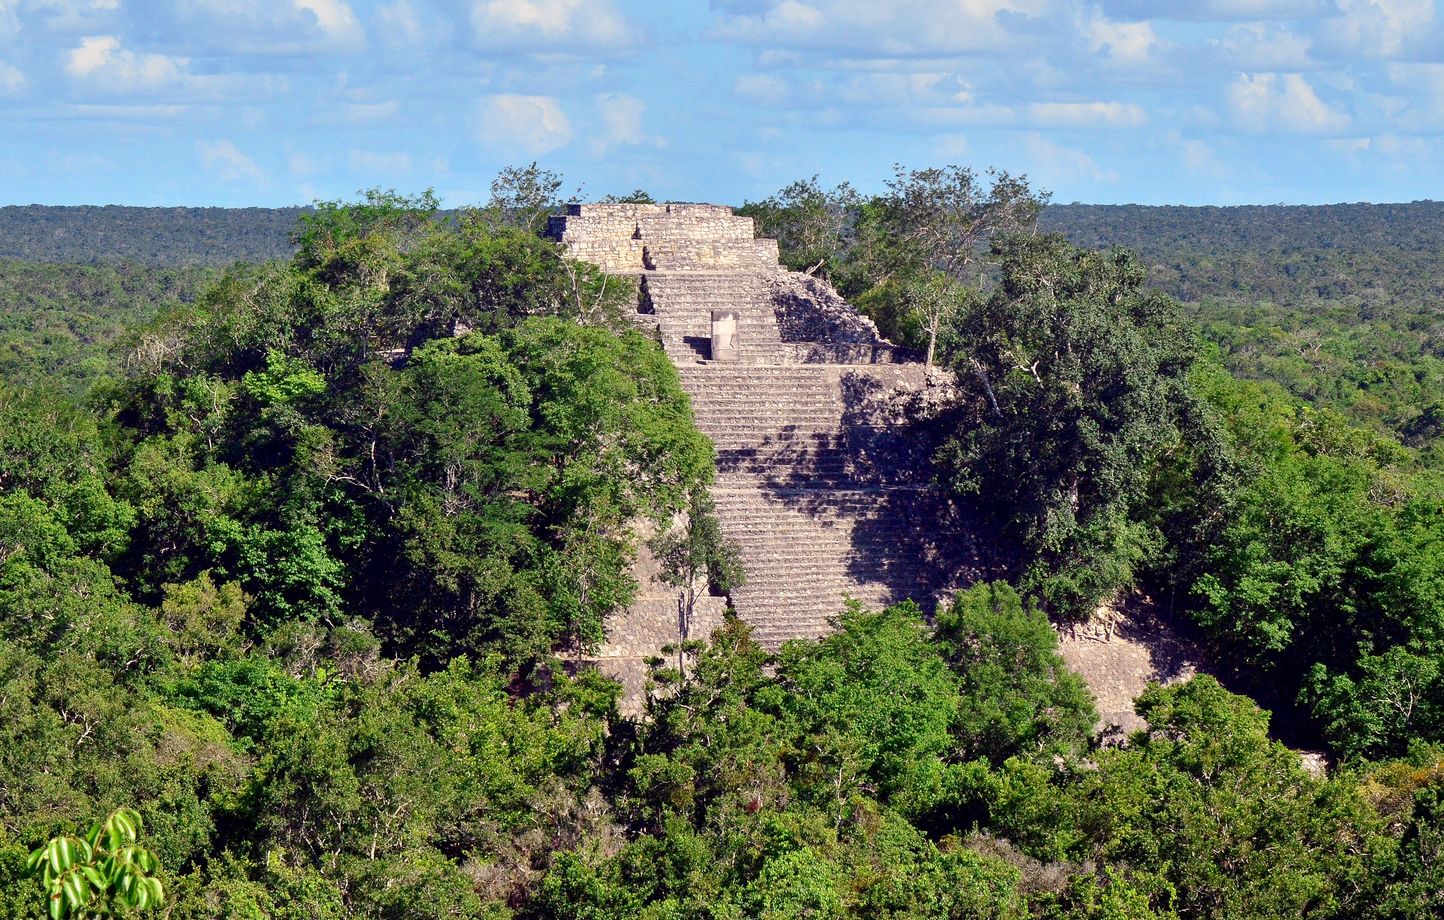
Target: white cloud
point(1052, 164)
point(1389, 145)
point(380, 162)
point(561, 25)
point(1423, 94)
point(876, 30)
point(12, 81)
point(286, 27)
point(1261, 46)
point(1088, 114)
point(1264, 102)
point(336, 20)
point(65, 16)
point(301, 165)
point(764, 88)
point(953, 147)
point(227, 163)
point(402, 25)
point(1379, 28)
point(531, 125)
point(1218, 10)
point(124, 112)
point(359, 114)
point(1196, 156)
point(894, 92)
point(9, 20)
point(1127, 42)
point(102, 62)
point(621, 120)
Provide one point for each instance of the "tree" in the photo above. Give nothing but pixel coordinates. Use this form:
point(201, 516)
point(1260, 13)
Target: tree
point(939, 220)
point(103, 874)
point(1018, 696)
point(697, 554)
point(1075, 381)
point(1230, 820)
point(812, 225)
point(636, 196)
point(937, 299)
point(524, 196)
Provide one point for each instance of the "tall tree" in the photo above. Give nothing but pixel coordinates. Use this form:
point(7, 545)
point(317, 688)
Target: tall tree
point(1076, 375)
point(940, 219)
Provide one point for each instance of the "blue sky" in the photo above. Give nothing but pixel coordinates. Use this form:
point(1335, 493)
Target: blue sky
point(272, 102)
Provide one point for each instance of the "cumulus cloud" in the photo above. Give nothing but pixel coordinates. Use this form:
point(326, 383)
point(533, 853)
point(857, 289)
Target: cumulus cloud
point(226, 162)
point(551, 25)
point(404, 26)
point(1196, 156)
point(9, 19)
point(287, 27)
point(1390, 145)
point(1126, 42)
point(335, 20)
point(102, 62)
point(1263, 102)
point(621, 121)
point(1088, 114)
point(869, 29)
point(301, 165)
point(1422, 86)
point(12, 81)
point(531, 125)
point(1218, 10)
point(64, 16)
point(1264, 46)
point(360, 114)
point(1054, 165)
point(1378, 28)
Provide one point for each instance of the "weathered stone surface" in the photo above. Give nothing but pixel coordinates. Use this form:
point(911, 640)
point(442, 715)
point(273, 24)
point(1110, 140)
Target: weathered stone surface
point(819, 481)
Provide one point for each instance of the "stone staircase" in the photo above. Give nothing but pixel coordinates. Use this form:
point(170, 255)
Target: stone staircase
point(680, 304)
point(818, 518)
point(818, 480)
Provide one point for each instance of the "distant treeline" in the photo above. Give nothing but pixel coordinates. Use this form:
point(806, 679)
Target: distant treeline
point(155, 236)
point(1372, 253)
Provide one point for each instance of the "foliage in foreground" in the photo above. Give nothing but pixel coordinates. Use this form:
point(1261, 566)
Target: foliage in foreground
point(106, 873)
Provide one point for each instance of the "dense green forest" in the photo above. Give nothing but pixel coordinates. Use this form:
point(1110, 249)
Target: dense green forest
point(68, 324)
point(1340, 304)
point(169, 237)
point(312, 610)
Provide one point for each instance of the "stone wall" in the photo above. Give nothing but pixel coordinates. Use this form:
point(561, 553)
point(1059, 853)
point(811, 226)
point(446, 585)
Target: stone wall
point(809, 310)
point(631, 238)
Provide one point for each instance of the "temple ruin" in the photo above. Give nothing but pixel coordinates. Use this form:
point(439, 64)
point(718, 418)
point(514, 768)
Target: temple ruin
point(819, 481)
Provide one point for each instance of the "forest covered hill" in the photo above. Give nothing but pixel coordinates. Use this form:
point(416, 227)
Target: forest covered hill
point(154, 236)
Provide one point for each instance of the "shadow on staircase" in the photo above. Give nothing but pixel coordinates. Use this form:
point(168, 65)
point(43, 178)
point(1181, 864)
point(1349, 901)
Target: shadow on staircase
point(873, 475)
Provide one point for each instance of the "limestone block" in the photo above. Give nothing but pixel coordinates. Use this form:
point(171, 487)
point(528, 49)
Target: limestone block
point(724, 336)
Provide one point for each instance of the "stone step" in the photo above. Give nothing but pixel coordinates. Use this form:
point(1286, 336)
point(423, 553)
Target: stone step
point(750, 255)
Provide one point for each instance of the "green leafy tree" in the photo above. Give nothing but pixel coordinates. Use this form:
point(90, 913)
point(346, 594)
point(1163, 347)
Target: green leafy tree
point(940, 220)
point(937, 300)
point(696, 556)
point(524, 196)
point(812, 225)
point(103, 874)
point(1018, 696)
point(1075, 376)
